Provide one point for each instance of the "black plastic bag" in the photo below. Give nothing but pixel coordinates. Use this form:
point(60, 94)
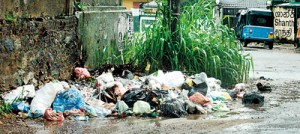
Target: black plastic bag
point(263, 88)
point(253, 99)
point(201, 88)
point(133, 95)
point(155, 95)
point(173, 108)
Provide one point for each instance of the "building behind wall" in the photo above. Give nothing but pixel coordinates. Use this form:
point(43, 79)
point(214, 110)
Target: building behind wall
point(226, 10)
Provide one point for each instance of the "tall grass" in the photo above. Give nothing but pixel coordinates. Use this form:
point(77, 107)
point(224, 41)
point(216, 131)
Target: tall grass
point(203, 45)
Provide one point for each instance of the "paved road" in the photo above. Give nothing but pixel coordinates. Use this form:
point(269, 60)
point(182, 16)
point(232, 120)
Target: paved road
point(281, 63)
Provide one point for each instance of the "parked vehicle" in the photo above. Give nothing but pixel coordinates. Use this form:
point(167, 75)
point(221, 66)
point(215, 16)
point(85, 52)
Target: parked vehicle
point(255, 25)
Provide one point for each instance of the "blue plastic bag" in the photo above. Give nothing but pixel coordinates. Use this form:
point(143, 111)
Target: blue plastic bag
point(20, 107)
point(68, 100)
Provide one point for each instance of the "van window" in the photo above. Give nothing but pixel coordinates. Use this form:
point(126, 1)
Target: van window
point(261, 20)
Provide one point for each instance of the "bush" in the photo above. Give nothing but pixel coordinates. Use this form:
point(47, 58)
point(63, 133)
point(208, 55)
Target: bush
point(203, 45)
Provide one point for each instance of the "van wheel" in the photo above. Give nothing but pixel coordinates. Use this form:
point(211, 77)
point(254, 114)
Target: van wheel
point(245, 43)
point(270, 44)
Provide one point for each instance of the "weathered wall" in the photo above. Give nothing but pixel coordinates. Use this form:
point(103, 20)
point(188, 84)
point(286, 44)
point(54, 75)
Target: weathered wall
point(102, 2)
point(37, 43)
point(99, 29)
point(36, 8)
point(32, 50)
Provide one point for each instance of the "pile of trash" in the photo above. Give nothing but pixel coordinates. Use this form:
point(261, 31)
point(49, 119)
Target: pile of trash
point(170, 94)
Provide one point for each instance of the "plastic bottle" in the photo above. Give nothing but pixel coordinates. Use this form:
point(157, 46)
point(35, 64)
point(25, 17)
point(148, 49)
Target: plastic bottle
point(82, 118)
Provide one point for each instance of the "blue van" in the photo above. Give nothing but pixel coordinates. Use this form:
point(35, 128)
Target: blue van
point(255, 25)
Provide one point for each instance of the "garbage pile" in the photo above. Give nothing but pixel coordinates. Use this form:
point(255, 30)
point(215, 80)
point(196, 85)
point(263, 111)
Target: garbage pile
point(170, 94)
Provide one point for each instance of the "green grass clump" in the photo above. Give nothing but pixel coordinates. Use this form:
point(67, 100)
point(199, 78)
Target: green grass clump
point(5, 107)
point(202, 45)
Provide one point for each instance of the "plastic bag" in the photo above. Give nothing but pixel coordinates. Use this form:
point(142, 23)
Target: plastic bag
point(199, 99)
point(133, 95)
point(106, 77)
point(213, 84)
point(216, 96)
point(190, 107)
point(141, 107)
point(200, 85)
point(226, 96)
point(69, 99)
point(121, 107)
point(173, 108)
point(127, 74)
point(82, 73)
point(44, 98)
point(232, 93)
point(253, 98)
point(95, 112)
point(20, 107)
point(20, 92)
point(173, 79)
point(156, 96)
point(53, 115)
point(193, 108)
point(221, 107)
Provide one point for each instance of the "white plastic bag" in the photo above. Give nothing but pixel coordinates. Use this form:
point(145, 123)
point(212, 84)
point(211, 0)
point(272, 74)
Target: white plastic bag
point(141, 107)
point(45, 97)
point(20, 92)
point(106, 77)
point(173, 79)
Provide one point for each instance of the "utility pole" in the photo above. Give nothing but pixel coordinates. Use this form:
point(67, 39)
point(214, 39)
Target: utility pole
point(174, 5)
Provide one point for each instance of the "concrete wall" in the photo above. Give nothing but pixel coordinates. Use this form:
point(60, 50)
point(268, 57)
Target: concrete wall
point(36, 8)
point(36, 46)
point(102, 2)
point(102, 31)
point(34, 50)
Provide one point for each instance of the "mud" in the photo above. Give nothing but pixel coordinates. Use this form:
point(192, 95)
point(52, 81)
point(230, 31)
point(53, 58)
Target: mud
point(279, 114)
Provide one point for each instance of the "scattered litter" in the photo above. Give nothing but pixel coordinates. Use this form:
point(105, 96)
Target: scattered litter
point(264, 88)
point(173, 108)
point(20, 106)
point(127, 74)
point(241, 87)
point(19, 93)
point(133, 95)
point(168, 94)
point(106, 77)
point(82, 118)
point(198, 98)
point(141, 107)
point(173, 79)
point(233, 93)
point(253, 99)
point(44, 98)
point(68, 99)
point(201, 84)
point(121, 107)
point(82, 73)
point(221, 107)
point(74, 112)
point(53, 115)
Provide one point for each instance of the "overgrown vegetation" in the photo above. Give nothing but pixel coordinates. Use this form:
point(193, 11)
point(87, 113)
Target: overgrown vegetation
point(10, 17)
point(203, 45)
point(79, 5)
